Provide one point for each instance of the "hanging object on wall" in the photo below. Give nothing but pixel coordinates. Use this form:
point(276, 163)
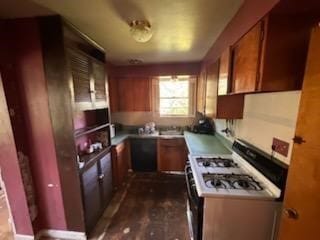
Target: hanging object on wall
point(140, 30)
point(28, 184)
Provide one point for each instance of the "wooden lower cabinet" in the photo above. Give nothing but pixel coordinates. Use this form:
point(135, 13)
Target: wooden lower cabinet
point(172, 154)
point(96, 182)
point(120, 162)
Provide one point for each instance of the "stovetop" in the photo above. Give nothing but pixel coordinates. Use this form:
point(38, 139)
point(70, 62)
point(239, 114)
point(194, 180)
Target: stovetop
point(228, 176)
point(231, 181)
point(216, 162)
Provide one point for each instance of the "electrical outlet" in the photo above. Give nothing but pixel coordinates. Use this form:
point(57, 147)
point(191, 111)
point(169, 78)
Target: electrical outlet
point(280, 147)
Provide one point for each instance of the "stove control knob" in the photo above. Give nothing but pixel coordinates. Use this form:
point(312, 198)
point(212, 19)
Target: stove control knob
point(291, 213)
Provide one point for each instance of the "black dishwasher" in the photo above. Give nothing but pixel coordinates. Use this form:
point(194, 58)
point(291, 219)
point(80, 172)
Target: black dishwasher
point(144, 154)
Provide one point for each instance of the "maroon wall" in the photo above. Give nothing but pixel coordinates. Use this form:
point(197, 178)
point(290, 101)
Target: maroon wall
point(248, 15)
point(26, 74)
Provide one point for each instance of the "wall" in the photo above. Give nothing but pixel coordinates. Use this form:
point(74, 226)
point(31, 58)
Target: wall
point(267, 115)
point(140, 118)
point(27, 80)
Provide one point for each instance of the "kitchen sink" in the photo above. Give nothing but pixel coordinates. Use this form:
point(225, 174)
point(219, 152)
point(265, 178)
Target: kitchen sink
point(171, 132)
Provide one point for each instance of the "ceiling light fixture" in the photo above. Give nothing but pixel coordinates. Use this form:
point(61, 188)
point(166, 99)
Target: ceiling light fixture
point(140, 30)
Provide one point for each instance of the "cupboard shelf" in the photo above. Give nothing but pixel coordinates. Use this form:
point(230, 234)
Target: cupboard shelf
point(89, 159)
point(85, 131)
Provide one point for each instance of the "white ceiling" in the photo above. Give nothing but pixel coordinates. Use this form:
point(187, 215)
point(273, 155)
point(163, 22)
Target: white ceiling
point(184, 30)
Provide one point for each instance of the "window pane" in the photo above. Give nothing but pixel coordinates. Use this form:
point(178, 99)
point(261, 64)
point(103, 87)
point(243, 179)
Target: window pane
point(174, 88)
point(174, 96)
point(174, 106)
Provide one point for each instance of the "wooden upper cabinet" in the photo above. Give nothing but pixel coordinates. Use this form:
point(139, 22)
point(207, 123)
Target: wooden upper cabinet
point(272, 55)
point(201, 91)
point(246, 59)
point(81, 75)
point(211, 89)
point(130, 94)
point(284, 52)
point(89, 81)
point(113, 94)
point(141, 89)
point(98, 73)
point(224, 68)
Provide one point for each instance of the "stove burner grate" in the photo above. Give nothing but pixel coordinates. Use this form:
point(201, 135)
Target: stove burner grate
point(231, 181)
point(216, 162)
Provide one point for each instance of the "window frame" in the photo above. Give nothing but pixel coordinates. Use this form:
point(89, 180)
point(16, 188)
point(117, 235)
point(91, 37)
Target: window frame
point(191, 97)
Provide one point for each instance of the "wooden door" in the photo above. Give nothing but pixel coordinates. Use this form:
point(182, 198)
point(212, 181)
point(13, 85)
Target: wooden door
point(245, 60)
point(105, 178)
point(211, 89)
point(81, 75)
point(302, 197)
point(98, 74)
point(91, 196)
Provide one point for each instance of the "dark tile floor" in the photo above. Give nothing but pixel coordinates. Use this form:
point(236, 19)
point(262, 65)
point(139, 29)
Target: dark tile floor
point(150, 206)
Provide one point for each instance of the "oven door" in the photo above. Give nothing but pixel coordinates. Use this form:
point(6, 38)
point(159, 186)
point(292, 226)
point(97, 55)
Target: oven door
point(195, 206)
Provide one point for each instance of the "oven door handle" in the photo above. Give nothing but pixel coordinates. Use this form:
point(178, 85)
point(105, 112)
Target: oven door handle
point(191, 190)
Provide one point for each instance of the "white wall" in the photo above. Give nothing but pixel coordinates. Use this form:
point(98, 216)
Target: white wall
point(267, 115)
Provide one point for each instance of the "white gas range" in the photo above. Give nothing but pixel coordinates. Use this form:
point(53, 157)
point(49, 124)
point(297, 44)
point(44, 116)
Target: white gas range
point(230, 193)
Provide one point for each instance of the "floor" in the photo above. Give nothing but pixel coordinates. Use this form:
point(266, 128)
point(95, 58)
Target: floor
point(5, 228)
point(149, 206)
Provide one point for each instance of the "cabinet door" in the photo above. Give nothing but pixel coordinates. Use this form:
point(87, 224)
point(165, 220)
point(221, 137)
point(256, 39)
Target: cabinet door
point(246, 55)
point(141, 89)
point(81, 75)
point(122, 162)
point(211, 89)
point(224, 68)
point(125, 93)
point(105, 178)
point(230, 106)
point(98, 73)
point(201, 88)
point(91, 196)
point(172, 154)
point(113, 93)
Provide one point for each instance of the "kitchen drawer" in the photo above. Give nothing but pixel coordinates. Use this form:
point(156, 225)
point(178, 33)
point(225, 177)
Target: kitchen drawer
point(172, 142)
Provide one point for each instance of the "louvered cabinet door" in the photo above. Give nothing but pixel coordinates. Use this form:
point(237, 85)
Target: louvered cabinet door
point(99, 78)
point(82, 82)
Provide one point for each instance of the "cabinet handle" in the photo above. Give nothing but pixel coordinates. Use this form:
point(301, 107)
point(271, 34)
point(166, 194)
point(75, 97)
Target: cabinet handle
point(92, 91)
point(101, 176)
point(291, 213)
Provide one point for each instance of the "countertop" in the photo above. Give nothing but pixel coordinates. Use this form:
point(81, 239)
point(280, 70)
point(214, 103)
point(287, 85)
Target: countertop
point(122, 135)
point(196, 143)
point(204, 144)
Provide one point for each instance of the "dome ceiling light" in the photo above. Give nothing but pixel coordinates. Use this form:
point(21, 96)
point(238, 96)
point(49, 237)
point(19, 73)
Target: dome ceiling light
point(140, 30)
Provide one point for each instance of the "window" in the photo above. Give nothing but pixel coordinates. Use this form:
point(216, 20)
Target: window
point(174, 96)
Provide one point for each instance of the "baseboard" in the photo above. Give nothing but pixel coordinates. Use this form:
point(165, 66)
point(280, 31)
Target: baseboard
point(23, 237)
point(60, 234)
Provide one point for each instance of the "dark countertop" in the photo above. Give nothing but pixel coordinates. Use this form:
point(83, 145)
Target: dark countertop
point(196, 143)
